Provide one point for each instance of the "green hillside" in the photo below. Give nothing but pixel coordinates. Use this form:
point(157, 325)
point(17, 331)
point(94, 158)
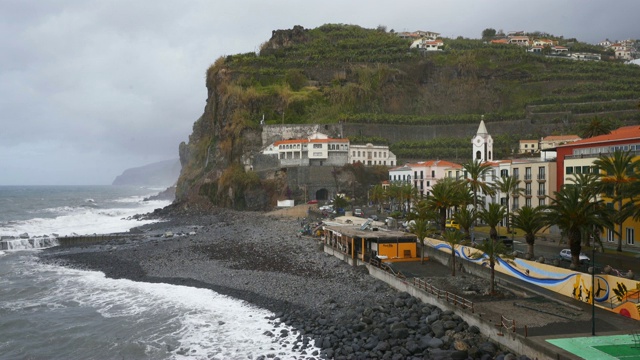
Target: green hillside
point(348, 73)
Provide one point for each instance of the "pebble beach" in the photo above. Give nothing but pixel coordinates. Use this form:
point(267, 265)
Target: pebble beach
point(339, 311)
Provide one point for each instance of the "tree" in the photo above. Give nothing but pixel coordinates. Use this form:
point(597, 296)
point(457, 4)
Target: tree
point(420, 227)
point(577, 213)
point(488, 33)
point(510, 186)
point(378, 196)
point(492, 250)
point(465, 218)
point(476, 171)
point(618, 172)
point(492, 217)
point(530, 220)
point(453, 238)
point(597, 126)
point(444, 195)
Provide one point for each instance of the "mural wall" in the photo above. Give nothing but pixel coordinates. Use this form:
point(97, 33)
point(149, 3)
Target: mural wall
point(610, 292)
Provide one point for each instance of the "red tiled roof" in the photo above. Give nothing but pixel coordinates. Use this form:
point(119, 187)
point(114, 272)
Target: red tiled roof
point(624, 133)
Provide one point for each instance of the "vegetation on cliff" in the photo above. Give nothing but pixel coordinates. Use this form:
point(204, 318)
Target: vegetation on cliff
point(345, 73)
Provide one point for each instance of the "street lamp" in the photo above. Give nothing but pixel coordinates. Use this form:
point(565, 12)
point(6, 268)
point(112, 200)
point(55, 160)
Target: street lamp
point(593, 287)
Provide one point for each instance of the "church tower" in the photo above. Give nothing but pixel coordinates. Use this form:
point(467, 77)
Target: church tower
point(482, 144)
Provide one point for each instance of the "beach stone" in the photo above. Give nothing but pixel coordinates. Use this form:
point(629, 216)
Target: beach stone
point(435, 343)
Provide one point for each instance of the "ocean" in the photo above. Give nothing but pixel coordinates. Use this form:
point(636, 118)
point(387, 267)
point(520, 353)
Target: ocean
point(54, 312)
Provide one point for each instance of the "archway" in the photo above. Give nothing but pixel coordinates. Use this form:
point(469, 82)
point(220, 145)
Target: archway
point(322, 194)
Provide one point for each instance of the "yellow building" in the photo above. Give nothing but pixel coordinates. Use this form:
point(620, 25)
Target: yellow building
point(365, 244)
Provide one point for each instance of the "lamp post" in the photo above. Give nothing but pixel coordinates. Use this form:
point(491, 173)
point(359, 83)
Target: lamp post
point(593, 288)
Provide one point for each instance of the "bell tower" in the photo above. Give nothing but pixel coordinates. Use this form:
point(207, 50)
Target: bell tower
point(482, 144)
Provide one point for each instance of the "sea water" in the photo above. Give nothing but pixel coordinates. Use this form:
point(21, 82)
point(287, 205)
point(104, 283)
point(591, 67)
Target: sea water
point(54, 312)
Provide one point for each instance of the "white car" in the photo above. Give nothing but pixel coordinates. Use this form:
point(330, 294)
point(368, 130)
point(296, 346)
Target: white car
point(566, 255)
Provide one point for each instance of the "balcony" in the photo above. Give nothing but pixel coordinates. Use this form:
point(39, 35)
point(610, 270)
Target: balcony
point(542, 193)
point(542, 177)
point(527, 193)
point(527, 178)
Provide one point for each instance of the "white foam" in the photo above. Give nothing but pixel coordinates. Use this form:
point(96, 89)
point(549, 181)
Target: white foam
point(208, 324)
point(83, 220)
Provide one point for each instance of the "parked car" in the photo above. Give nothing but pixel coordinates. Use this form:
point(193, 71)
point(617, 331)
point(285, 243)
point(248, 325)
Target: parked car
point(565, 254)
point(452, 224)
point(373, 217)
point(358, 212)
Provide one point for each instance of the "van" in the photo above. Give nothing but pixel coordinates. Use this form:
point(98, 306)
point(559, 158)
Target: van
point(452, 224)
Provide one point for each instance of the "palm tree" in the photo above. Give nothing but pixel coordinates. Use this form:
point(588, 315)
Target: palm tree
point(577, 213)
point(530, 220)
point(492, 250)
point(444, 195)
point(422, 216)
point(453, 238)
point(420, 227)
point(476, 171)
point(407, 193)
point(618, 172)
point(597, 126)
point(510, 186)
point(378, 195)
point(492, 217)
point(393, 193)
point(465, 217)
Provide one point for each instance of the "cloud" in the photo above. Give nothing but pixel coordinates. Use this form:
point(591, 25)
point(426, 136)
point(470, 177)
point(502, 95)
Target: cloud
point(95, 87)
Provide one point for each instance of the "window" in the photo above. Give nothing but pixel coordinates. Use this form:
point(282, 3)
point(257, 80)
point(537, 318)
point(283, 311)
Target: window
point(630, 236)
point(585, 169)
point(504, 172)
point(433, 173)
point(317, 146)
point(527, 202)
point(541, 202)
point(610, 237)
point(569, 170)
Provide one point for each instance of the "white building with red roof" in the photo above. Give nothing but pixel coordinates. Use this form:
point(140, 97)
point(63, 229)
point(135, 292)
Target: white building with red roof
point(424, 174)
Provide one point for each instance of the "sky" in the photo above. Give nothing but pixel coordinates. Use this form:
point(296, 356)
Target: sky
point(89, 88)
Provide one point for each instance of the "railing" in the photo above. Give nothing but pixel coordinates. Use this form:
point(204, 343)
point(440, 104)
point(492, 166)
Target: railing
point(542, 193)
point(542, 176)
point(508, 325)
point(384, 267)
point(634, 298)
point(443, 294)
point(527, 177)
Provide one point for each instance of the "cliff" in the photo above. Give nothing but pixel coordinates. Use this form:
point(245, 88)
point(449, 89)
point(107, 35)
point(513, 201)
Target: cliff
point(368, 82)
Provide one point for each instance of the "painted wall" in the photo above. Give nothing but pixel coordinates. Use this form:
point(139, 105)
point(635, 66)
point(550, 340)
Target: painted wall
point(616, 294)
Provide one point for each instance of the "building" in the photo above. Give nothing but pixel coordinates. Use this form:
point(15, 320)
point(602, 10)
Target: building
point(549, 143)
point(624, 138)
point(519, 40)
point(482, 144)
point(364, 243)
point(537, 178)
point(529, 146)
point(427, 45)
point(578, 157)
point(319, 151)
point(370, 155)
point(424, 174)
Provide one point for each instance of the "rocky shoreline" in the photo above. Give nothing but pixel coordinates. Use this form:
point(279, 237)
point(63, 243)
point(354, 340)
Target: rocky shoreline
point(340, 312)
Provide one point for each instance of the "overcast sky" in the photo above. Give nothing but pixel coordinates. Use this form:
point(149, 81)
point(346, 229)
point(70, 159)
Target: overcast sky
point(91, 88)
